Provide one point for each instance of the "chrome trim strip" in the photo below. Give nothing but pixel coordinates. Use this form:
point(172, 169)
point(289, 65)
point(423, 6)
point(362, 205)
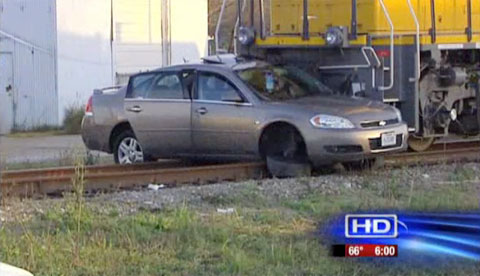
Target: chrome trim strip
point(390, 149)
point(378, 121)
point(220, 102)
point(391, 100)
point(157, 100)
point(386, 150)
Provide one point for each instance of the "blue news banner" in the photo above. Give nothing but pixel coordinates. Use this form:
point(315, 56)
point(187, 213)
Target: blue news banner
point(406, 236)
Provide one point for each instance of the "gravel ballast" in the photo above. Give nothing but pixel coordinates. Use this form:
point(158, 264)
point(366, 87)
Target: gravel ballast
point(267, 191)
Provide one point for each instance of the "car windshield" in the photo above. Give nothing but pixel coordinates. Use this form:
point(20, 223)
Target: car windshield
point(281, 83)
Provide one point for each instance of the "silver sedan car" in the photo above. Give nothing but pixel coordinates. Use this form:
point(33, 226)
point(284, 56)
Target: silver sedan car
point(226, 108)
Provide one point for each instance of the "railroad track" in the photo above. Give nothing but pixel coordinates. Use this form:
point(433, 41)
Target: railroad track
point(28, 183)
point(440, 153)
point(55, 181)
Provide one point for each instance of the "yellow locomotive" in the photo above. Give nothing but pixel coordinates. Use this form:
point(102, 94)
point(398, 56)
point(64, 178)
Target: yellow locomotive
point(422, 56)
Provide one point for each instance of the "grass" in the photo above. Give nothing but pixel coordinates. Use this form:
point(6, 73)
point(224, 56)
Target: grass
point(42, 131)
point(262, 237)
point(71, 125)
point(66, 159)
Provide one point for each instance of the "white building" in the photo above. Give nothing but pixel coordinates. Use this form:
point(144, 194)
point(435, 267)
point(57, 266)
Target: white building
point(53, 53)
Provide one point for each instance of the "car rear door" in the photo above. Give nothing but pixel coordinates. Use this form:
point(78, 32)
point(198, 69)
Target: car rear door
point(158, 107)
point(223, 121)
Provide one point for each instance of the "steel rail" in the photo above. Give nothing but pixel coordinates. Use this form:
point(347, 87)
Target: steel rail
point(30, 183)
point(111, 178)
point(68, 171)
point(434, 157)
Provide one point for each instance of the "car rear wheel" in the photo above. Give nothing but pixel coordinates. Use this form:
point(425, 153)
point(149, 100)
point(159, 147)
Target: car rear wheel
point(127, 149)
point(285, 152)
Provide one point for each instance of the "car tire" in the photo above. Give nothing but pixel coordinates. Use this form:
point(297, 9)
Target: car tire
point(284, 168)
point(285, 153)
point(367, 164)
point(377, 163)
point(127, 149)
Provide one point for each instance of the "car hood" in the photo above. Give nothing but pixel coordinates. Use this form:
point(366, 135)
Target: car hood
point(355, 109)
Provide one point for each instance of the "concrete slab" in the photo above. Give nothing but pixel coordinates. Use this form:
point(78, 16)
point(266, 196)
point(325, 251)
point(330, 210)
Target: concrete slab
point(40, 149)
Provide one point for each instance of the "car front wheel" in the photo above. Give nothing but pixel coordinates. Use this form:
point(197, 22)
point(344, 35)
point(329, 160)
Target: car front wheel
point(127, 149)
point(285, 152)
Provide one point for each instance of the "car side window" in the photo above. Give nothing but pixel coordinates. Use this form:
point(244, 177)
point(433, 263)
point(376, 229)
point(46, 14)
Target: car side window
point(215, 87)
point(139, 86)
point(165, 86)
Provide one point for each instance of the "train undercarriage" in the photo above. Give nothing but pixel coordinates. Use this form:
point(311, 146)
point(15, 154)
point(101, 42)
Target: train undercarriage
point(449, 96)
point(444, 100)
point(421, 57)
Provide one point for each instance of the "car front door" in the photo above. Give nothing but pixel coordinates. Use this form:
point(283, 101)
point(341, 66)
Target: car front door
point(158, 107)
point(223, 121)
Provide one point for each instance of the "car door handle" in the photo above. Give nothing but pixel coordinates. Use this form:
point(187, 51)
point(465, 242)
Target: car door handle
point(202, 111)
point(136, 109)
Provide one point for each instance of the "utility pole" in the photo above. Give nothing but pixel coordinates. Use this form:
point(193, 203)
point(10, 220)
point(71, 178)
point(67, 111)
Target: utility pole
point(166, 35)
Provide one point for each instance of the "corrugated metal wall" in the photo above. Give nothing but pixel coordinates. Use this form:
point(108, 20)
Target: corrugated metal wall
point(28, 32)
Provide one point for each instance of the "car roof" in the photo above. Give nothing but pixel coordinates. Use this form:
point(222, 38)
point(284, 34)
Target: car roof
point(225, 61)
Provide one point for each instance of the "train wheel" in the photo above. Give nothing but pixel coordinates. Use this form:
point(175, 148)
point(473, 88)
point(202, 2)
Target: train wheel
point(420, 144)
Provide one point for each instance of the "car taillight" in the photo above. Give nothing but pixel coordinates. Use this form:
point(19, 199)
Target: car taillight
point(89, 108)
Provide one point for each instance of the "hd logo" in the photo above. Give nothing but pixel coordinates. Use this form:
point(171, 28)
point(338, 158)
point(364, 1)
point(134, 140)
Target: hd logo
point(371, 226)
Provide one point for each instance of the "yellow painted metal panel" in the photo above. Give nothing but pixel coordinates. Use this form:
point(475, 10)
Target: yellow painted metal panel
point(476, 16)
point(451, 17)
point(287, 17)
point(372, 15)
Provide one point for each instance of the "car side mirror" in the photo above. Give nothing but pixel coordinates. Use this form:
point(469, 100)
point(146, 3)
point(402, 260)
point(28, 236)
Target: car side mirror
point(232, 98)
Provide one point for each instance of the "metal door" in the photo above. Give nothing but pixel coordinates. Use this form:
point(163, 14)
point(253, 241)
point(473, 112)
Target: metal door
point(221, 123)
point(6, 92)
point(159, 111)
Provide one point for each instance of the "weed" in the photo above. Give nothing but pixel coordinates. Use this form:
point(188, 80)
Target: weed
point(73, 119)
point(92, 158)
point(391, 189)
point(265, 236)
point(38, 131)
